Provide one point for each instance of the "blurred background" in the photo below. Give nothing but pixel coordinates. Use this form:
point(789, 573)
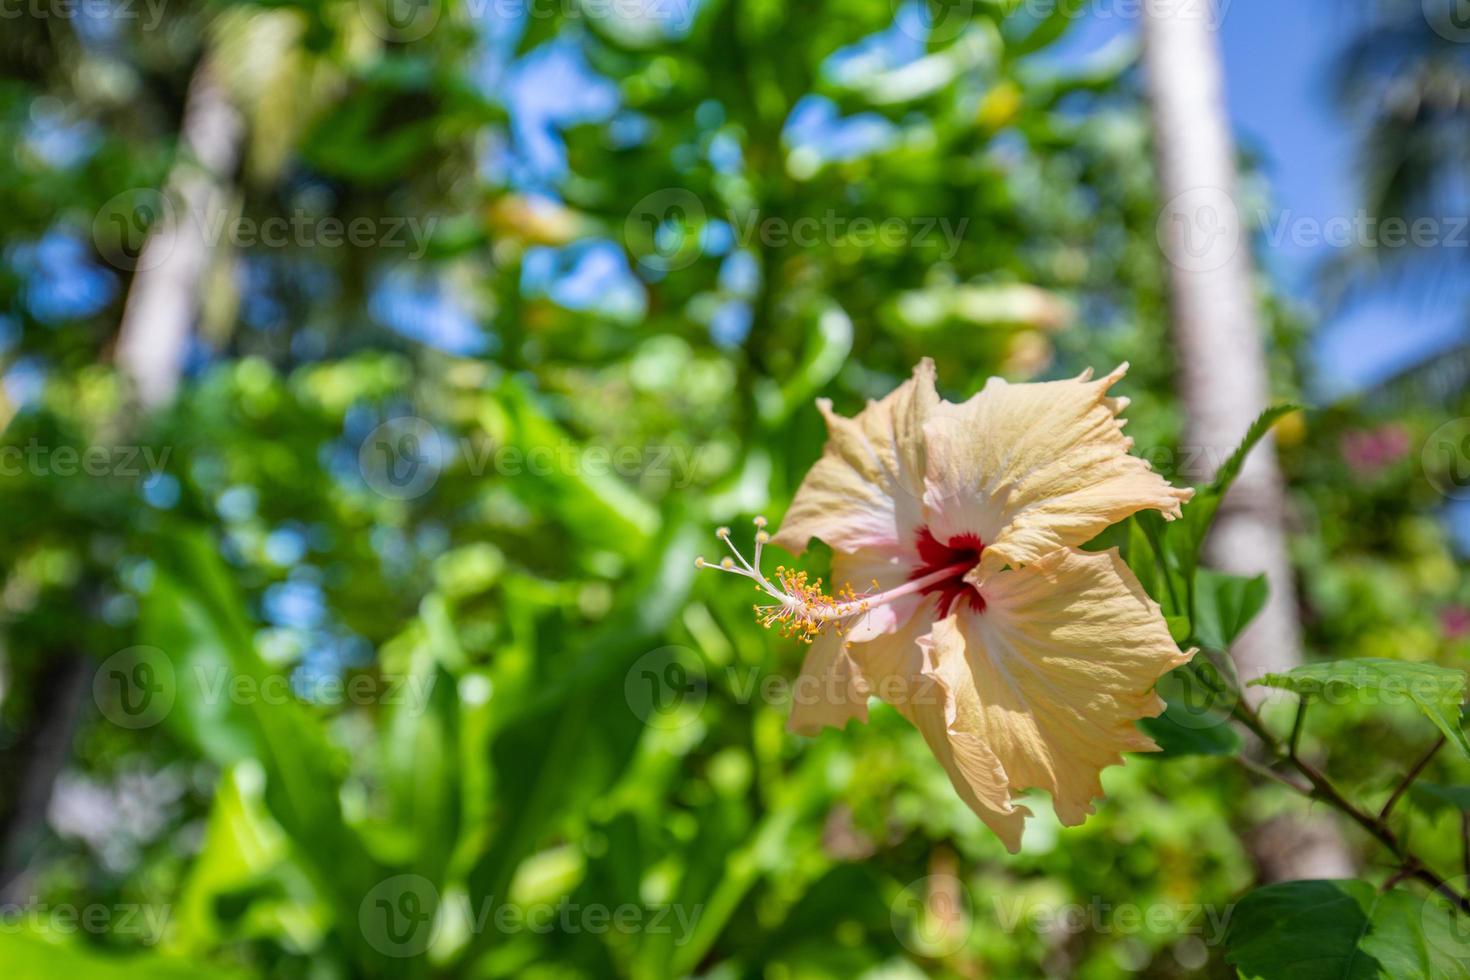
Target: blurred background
point(373, 372)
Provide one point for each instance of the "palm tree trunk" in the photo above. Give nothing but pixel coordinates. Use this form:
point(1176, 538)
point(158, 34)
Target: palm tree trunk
point(164, 300)
point(1223, 376)
point(32, 761)
point(158, 317)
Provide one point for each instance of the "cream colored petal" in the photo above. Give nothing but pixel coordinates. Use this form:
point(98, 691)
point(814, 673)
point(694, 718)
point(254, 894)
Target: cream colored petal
point(893, 659)
point(975, 771)
point(866, 490)
point(1053, 674)
point(873, 570)
point(1036, 467)
point(835, 682)
point(831, 690)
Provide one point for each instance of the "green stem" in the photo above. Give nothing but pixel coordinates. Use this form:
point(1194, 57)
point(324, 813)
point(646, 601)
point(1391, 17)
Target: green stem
point(1408, 780)
point(1465, 840)
point(1296, 726)
point(1322, 789)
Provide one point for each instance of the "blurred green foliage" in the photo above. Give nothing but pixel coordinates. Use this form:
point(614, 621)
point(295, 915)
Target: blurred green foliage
point(485, 722)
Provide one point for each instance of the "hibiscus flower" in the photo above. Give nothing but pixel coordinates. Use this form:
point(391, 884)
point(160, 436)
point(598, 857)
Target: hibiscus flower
point(1023, 660)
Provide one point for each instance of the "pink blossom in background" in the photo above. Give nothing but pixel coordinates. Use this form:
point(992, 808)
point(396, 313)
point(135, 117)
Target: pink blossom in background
point(1368, 451)
point(1454, 622)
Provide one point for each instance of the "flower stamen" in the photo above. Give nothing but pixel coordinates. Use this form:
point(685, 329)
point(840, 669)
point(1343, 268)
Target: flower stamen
point(802, 609)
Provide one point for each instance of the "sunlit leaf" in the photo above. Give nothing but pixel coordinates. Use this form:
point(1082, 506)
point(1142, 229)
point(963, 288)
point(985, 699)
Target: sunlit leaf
point(1225, 605)
point(1438, 692)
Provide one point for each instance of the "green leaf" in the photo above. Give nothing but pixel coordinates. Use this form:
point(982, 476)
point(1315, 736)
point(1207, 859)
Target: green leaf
point(572, 743)
point(195, 605)
point(1150, 553)
point(1434, 798)
point(1257, 431)
point(1182, 541)
point(591, 502)
point(364, 139)
point(1196, 718)
point(1436, 691)
point(1062, 15)
point(1143, 559)
point(242, 847)
point(829, 342)
point(1176, 737)
point(1224, 606)
point(28, 957)
point(1344, 930)
point(420, 745)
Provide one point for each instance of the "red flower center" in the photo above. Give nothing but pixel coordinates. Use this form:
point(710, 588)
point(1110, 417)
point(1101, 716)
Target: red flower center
point(934, 555)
